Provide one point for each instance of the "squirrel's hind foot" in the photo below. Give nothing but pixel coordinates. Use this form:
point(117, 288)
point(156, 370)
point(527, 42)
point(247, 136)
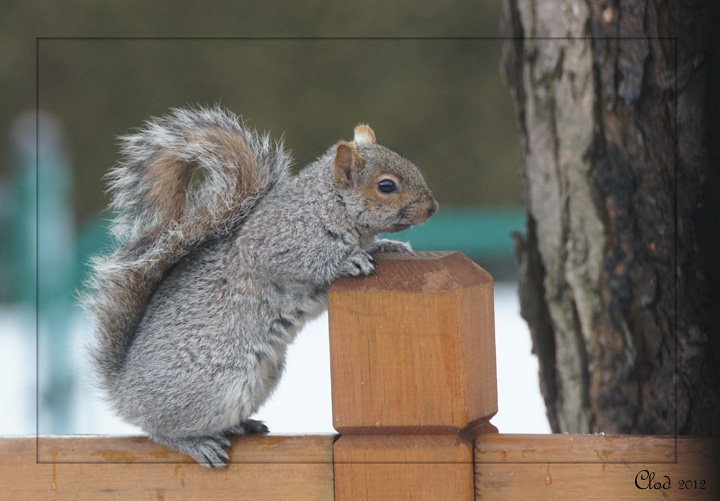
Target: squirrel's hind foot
point(207, 450)
point(248, 427)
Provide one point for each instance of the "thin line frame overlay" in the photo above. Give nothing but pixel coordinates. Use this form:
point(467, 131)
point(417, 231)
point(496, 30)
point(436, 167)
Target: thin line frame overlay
point(38, 437)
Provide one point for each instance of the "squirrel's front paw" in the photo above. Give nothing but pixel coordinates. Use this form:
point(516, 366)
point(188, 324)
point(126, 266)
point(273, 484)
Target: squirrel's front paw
point(387, 245)
point(360, 263)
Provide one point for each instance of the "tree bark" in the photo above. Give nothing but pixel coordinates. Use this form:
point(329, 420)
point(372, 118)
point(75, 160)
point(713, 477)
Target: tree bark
point(615, 161)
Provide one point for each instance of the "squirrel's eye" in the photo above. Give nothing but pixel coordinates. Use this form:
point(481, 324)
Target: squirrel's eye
point(387, 186)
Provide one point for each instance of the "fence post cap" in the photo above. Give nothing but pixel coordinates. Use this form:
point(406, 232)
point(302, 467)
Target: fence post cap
point(433, 272)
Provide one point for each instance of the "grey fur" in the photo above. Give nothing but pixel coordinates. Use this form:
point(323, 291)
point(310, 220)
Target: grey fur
point(194, 314)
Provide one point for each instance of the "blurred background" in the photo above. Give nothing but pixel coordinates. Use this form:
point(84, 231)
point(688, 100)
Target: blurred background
point(438, 101)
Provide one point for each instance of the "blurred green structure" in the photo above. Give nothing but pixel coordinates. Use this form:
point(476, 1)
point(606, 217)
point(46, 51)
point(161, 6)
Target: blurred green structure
point(481, 233)
point(43, 257)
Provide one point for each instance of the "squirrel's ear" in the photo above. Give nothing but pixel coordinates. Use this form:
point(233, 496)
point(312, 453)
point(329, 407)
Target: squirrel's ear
point(347, 164)
point(364, 135)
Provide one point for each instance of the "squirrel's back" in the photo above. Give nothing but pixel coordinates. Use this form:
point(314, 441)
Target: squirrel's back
point(183, 180)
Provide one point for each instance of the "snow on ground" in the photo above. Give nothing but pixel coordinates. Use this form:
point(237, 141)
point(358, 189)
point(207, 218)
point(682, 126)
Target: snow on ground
point(301, 404)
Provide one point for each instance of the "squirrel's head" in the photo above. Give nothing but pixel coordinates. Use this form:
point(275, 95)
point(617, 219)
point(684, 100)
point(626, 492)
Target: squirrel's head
point(385, 192)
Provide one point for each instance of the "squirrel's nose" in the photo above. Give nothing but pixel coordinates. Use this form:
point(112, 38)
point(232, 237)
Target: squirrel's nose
point(433, 209)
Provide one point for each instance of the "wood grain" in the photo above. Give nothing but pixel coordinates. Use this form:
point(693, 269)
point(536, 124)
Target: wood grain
point(403, 467)
point(413, 350)
point(127, 468)
point(284, 449)
point(559, 467)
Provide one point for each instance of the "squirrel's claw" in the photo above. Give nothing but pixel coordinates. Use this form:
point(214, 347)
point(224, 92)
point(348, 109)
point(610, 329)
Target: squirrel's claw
point(207, 450)
point(247, 427)
point(360, 263)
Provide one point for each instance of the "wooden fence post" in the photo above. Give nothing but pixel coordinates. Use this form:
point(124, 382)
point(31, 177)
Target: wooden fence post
point(413, 376)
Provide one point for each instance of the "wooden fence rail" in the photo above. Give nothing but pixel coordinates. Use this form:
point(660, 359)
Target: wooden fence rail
point(413, 389)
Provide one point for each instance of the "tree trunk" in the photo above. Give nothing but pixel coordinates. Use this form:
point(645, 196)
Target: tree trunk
point(615, 160)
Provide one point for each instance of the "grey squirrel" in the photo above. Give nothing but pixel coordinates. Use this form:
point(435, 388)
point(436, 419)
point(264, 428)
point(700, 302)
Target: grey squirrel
point(223, 256)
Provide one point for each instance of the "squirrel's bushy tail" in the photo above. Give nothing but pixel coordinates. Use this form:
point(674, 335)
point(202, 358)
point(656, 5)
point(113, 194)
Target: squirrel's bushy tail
point(184, 179)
